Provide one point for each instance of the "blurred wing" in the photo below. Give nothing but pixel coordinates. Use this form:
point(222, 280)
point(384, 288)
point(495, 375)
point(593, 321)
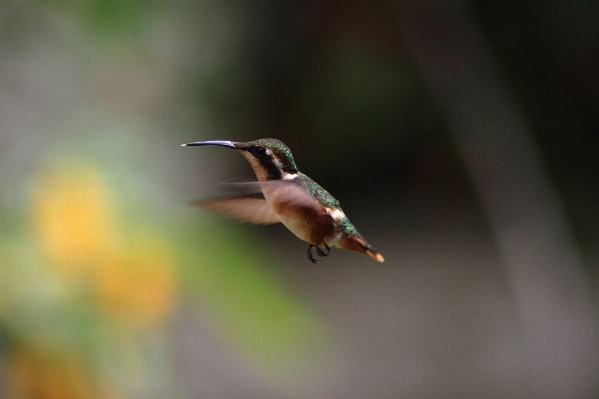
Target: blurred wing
point(251, 208)
point(283, 192)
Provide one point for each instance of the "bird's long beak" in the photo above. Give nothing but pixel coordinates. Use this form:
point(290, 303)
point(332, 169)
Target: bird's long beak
point(229, 144)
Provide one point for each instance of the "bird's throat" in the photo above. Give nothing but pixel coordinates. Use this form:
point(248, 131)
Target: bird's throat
point(263, 170)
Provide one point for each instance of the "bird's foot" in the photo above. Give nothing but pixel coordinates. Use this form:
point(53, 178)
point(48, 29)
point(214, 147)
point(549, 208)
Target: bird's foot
point(310, 257)
point(319, 252)
point(322, 253)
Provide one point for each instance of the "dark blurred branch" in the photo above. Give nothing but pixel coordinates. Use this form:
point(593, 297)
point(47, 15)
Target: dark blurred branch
point(556, 309)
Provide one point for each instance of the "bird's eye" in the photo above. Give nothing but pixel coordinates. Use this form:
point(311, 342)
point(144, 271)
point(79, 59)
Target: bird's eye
point(260, 150)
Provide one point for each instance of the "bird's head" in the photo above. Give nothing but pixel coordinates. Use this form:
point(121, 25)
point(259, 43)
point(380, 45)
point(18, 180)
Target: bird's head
point(270, 158)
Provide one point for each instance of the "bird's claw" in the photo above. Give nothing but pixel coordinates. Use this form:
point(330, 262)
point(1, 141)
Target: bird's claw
point(310, 257)
point(319, 252)
point(322, 253)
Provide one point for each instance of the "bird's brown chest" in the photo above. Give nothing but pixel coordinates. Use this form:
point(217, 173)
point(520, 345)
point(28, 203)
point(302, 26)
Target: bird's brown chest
point(311, 224)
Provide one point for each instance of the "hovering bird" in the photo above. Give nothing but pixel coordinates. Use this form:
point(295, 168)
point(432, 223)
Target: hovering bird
point(284, 194)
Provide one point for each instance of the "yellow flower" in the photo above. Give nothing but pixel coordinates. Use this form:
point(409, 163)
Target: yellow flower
point(35, 375)
point(73, 216)
point(131, 272)
point(136, 284)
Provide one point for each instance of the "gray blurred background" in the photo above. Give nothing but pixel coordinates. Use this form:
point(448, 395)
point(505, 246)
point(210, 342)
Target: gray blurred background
point(460, 138)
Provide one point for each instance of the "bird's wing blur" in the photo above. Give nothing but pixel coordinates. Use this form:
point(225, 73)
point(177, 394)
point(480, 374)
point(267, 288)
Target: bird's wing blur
point(292, 192)
point(250, 208)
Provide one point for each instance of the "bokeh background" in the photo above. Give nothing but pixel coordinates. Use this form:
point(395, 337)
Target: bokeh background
point(460, 137)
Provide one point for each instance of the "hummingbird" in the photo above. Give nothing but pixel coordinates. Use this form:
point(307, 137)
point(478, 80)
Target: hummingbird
point(284, 194)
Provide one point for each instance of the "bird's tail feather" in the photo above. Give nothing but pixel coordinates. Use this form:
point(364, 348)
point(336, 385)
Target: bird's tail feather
point(358, 244)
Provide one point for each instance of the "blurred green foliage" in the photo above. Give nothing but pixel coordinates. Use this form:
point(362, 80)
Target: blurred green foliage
point(82, 285)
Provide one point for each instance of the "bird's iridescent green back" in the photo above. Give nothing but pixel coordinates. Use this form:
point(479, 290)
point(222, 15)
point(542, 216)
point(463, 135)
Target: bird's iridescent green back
point(326, 199)
point(321, 195)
